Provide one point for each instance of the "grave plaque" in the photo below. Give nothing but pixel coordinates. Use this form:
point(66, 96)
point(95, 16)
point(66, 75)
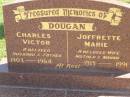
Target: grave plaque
point(67, 36)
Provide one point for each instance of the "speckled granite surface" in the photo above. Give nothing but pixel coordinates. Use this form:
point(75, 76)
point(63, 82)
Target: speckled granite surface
point(18, 91)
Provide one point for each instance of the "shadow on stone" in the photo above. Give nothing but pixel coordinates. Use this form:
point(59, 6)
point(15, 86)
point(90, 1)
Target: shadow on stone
point(3, 67)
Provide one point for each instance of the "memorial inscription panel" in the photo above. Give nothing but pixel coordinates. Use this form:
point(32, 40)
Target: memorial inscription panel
point(70, 35)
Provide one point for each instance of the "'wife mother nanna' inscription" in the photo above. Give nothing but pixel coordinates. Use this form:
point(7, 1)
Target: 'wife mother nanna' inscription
point(67, 35)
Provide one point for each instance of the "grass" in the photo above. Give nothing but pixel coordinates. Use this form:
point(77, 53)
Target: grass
point(1, 20)
point(1, 31)
point(2, 48)
point(1, 12)
point(127, 1)
point(2, 40)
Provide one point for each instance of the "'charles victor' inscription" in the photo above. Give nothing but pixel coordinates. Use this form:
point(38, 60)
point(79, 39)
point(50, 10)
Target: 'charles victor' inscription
point(34, 38)
point(79, 37)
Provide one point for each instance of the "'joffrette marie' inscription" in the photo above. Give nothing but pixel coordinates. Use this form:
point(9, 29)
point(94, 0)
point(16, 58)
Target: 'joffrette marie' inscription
point(74, 36)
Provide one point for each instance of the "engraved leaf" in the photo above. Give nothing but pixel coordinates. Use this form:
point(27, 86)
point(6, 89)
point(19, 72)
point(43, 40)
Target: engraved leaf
point(16, 12)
